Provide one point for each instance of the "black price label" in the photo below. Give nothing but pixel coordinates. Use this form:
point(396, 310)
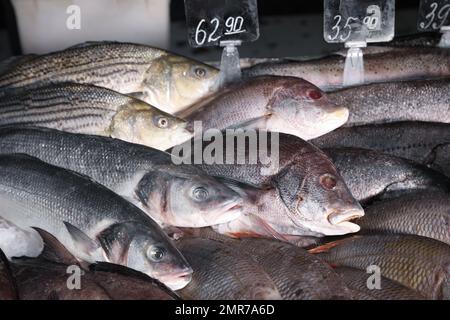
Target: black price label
point(211, 21)
point(359, 20)
point(433, 15)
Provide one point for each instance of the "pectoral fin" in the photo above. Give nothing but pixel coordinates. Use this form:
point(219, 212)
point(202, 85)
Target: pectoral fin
point(81, 240)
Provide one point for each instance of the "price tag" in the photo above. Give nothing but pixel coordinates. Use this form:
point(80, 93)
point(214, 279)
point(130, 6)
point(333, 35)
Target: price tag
point(210, 22)
point(359, 20)
point(433, 15)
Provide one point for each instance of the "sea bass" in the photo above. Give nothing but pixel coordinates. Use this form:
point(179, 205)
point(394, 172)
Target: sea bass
point(381, 64)
point(371, 174)
point(425, 143)
point(166, 81)
point(174, 195)
point(88, 109)
point(222, 272)
point(423, 213)
point(416, 262)
point(281, 104)
point(396, 101)
point(304, 178)
point(92, 222)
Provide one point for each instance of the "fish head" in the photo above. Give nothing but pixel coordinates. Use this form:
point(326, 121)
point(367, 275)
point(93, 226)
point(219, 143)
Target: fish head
point(317, 198)
point(141, 123)
point(147, 249)
point(173, 83)
point(303, 110)
point(189, 200)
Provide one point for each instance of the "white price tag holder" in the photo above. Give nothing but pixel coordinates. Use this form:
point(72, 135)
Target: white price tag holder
point(357, 23)
point(434, 15)
point(225, 23)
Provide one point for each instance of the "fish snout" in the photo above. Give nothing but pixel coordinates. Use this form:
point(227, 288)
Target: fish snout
point(179, 280)
point(338, 114)
point(340, 217)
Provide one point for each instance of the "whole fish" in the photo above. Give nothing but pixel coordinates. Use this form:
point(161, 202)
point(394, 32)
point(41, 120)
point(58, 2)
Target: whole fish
point(416, 262)
point(89, 109)
point(166, 81)
point(8, 288)
point(51, 276)
point(425, 143)
point(173, 195)
point(17, 242)
point(357, 281)
point(222, 272)
point(381, 64)
point(92, 222)
point(396, 101)
point(281, 104)
point(303, 179)
point(424, 213)
point(371, 174)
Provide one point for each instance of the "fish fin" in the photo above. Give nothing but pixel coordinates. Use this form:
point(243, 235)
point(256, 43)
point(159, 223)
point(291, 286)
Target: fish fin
point(243, 189)
point(81, 240)
point(55, 250)
point(263, 224)
point(252, 124)
point(330, 245)
point(115, 241)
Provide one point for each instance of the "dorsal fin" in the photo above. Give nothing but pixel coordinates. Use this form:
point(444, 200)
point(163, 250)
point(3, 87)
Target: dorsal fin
point(54, 250)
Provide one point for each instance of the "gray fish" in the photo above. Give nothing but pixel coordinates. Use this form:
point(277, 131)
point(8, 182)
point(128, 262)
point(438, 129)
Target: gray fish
point(166, 81)
point(422, 142)
point(357, 280)
point(174, 195)
point(370, 174)
point(90, 109)
point(381, 64)
point(8, 289)
point(92, 222)
point(424, 213)
point(396, 101)
point(302, 178)
point(281, 104)
point(49, 277)
point(424, 39)
point(416, 262)
point(222, 272)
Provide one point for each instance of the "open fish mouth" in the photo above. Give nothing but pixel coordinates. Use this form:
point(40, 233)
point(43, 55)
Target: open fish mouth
point(177, 281)
point(337, 223)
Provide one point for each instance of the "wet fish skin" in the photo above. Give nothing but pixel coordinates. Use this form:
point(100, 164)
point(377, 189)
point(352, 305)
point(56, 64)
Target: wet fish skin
point(372, 175)
point(281, 104)
point(381, 65)
point(423, 213)
point(221, 272)
point(356, 280)
point(306, 181)
point(8, 289)
point(425, 39)
point(425, 143)
point(416, 262)
point(94, 223)
point(145, 176)
point(396, 102)
point(167, 81)
point(81, 108)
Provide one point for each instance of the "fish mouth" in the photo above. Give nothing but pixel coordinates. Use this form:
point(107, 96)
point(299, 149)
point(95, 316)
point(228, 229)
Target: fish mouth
point(337, 223)
point(338, 117)
point(177, 281)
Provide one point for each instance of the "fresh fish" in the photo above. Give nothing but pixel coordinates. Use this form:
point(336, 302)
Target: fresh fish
point(17, 242)
point(281, 104)
point(166, 81)
point(424, 213)
point(416, 262)
point(371, 174)
point(49, 277)
point(357, 281)
point(222, 272)
point(89, 109)
point(424, 39)
point(380, 65)
point(303, 179)
point(174, 195)
point(425, 143)
point(396, 101)
point(92, 222)
point(8, 289)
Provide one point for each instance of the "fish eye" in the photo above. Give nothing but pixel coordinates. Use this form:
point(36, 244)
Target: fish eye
point(162, 122)
point(328, 181)
point(200, 193)
point(200, 72)
point(314, 94)
point(156, 253)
